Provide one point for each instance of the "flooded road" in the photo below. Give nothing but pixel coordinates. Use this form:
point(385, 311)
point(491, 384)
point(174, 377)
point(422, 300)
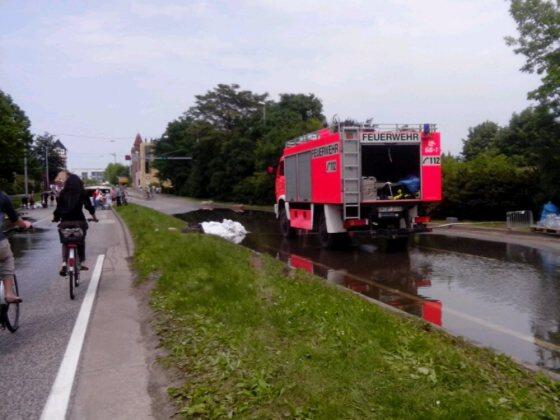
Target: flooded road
point(500, 295)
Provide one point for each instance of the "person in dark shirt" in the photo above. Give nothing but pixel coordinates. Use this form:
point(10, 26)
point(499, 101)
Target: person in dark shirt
point(6, 256)
point(73, 198)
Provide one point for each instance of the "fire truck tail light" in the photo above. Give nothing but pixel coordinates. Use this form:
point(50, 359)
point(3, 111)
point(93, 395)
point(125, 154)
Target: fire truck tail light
point(422, 220)
point(351, 223)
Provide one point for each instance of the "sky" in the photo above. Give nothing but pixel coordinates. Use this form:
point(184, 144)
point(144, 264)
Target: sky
point(97, 73)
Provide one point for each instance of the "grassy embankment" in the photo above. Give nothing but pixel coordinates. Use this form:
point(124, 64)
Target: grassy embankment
point(250, 338)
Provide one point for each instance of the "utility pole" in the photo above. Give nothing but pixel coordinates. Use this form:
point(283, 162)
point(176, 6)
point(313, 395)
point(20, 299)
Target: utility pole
point(47, 166)
point(114, 157)
point(25, 181)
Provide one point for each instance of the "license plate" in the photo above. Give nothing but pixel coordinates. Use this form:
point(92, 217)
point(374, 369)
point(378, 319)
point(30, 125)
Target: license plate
point(392, 209)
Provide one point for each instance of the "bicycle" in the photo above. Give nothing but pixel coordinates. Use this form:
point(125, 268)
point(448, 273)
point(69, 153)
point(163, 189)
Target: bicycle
point(72, 236)
point(9, 312)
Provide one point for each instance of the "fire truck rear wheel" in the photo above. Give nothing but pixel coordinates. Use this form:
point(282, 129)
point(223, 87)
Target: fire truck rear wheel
point(287, 231)
point(331, 240)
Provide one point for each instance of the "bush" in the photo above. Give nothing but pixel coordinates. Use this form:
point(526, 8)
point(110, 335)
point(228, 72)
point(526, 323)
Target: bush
point(486, 187)
point(256, 189)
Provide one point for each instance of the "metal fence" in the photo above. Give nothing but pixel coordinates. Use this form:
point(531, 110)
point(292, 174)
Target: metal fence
point(520, 218)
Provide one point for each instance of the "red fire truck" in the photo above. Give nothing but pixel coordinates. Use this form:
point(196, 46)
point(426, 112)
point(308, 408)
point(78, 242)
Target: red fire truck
point(359, 178)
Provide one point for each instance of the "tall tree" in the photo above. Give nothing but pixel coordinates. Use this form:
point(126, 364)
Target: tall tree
point(115, 170)
point(538, 24)
point(532, 139)
point(43, 147)
point(15, 138)
point(480, 139)
point(226, 106)
point(232, 136)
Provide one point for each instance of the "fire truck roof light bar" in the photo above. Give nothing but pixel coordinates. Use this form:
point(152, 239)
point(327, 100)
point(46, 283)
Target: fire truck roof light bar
point(392, 127)
point(425, 128)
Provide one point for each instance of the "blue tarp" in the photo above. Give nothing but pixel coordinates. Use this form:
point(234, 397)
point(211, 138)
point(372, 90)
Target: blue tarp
point(549, 208)
point(412, 184)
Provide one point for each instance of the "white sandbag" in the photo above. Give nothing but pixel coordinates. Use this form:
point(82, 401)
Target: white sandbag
point(227, 229)
point(552, 221)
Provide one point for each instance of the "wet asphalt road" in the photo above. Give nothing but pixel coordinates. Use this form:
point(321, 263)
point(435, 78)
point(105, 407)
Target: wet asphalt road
point(29, 359)
point(501, 295)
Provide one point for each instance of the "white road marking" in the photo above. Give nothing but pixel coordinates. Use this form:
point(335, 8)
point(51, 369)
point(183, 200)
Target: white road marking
point(504, 330)
point(57, 403)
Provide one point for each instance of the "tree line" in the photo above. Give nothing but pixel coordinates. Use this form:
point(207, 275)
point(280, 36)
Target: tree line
point(17, 143)
point(515, 167)
point(232, 136)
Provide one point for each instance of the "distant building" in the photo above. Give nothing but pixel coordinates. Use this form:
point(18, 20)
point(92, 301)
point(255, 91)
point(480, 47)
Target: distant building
point(141, 171)
point(135, 161)
point(60, 149)
point(94, 174)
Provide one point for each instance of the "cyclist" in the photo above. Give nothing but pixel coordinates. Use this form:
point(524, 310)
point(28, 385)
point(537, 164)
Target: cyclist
point(6, 256)
point(72, 199)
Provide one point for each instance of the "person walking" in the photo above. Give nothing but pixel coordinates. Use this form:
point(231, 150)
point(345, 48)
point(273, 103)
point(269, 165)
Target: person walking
point(45, 199)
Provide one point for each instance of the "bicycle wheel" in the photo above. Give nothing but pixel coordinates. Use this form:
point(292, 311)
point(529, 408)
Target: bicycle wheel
point(71, 283)
point(77, 277)
point(11, 315)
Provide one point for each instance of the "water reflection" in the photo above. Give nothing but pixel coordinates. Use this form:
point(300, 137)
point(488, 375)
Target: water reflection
point(501, 295)
point(24, 241)
point(409, 301)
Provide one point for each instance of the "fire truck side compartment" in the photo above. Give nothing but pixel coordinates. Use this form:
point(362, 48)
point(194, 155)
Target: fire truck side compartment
point(290, 172)
point(304, 176)
point(297, 170)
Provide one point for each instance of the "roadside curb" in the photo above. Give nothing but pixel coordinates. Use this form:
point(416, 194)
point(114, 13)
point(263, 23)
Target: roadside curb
point(127, 236)
point(159, 380)
point(114, 376)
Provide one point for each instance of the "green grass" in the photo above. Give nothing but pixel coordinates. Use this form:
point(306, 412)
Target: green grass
point(16, 202)
point(251, 339)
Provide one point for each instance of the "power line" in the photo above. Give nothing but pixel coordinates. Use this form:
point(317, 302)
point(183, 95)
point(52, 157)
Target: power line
point(89, 137)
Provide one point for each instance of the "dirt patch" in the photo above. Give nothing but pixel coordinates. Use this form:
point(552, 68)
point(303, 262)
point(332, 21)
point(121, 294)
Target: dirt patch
point(160, 379)
point(256, 262)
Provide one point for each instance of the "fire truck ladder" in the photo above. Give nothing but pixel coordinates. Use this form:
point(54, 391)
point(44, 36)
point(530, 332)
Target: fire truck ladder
point(351, 170)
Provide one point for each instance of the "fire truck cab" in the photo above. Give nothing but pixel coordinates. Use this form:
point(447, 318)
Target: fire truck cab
point(359, 178)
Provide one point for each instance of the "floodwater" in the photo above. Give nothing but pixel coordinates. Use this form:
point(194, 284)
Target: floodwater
point(499, 295)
